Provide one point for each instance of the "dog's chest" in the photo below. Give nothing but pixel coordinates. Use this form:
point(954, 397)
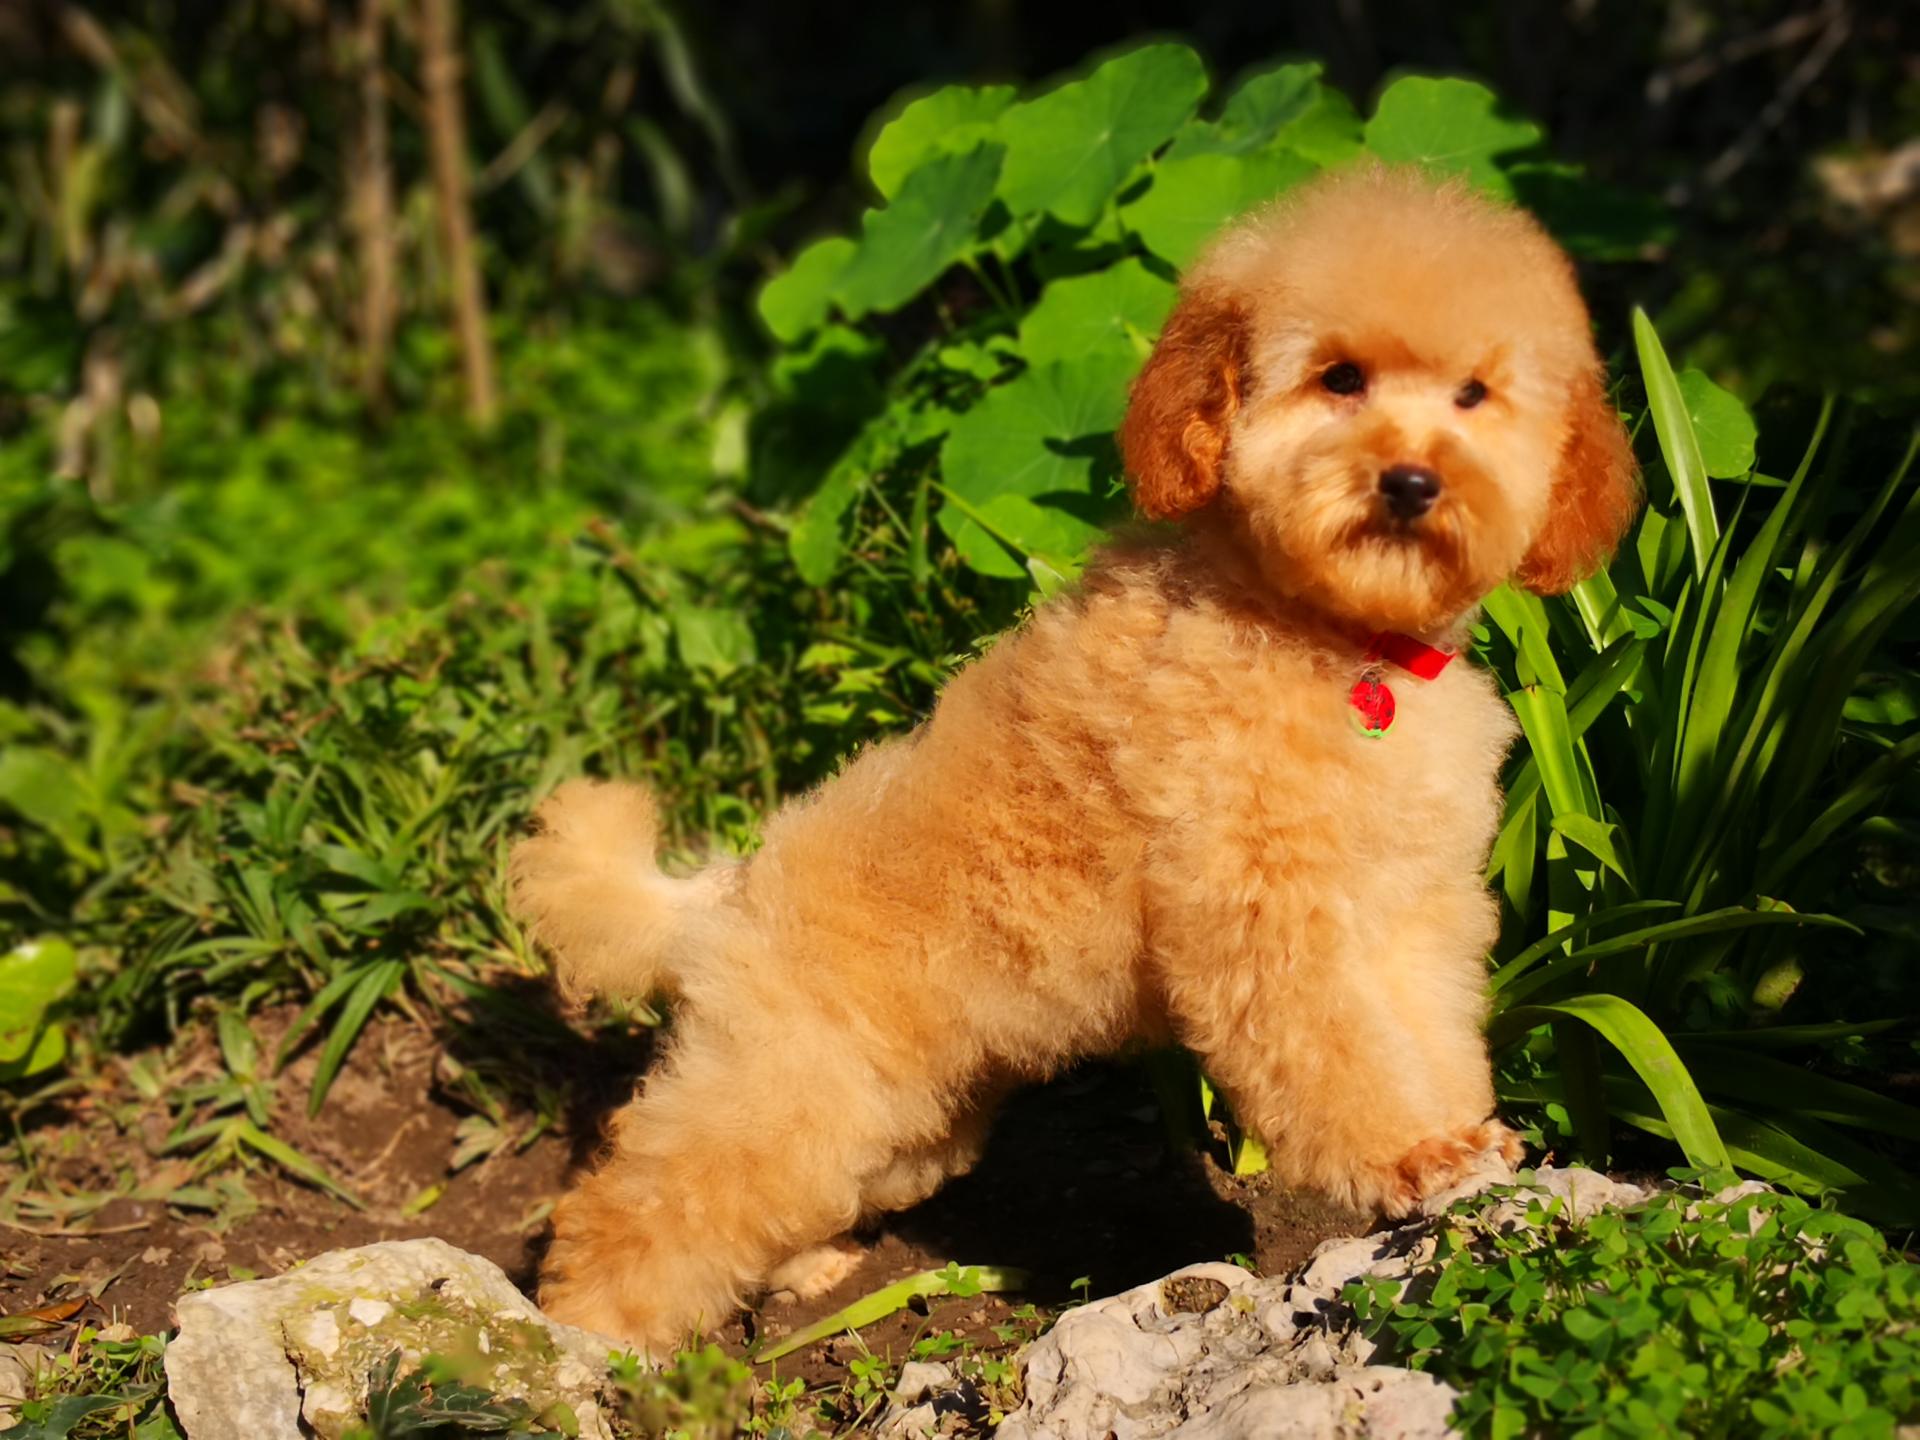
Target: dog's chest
point(1275, 746)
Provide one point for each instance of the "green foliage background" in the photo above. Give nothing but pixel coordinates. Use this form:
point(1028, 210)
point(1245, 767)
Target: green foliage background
point(284, 665)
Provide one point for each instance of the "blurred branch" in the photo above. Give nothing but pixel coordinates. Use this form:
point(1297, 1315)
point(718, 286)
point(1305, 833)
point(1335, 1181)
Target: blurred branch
point(1724, 166)
point(373, 205)
point(521, 148)
point(446, 134)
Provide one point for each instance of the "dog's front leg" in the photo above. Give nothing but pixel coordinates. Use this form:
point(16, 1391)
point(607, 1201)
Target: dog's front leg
point(1358, 1059)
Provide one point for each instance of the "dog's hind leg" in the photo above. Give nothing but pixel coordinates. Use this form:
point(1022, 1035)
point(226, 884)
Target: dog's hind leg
point(912, 1175)
point(733, 1159)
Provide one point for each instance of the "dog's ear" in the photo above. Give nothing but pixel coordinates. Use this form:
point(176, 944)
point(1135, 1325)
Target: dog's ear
point(1174, 439)
point(1596, 490)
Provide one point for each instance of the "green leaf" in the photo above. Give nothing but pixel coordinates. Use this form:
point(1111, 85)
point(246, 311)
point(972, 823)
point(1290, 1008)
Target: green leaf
point(1040, 439)
point(1451, 126)
point(956, 117)
point(971, 1279)
point(816, 540)
point(930, 224)
point(375, 983)
point(714, 639)
point(1329, 133)
point(797, 301)
point(1713, 922)
point(1646, 1049)
point(292, 1161)
point(33, 976)
point(1596, 838)
point(1722, 426)
point(1543, 716)
point(1193, 197)
point(1069, 149)
point(43, 788)
point(31, 1052)
point(1254, 114)
point(1005, 534)
point(63, 1413)
point(1117, 310)
point(1768, 1084)
point(1678, 443)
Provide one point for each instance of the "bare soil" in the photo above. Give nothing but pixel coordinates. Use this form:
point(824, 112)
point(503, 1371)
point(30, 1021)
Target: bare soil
point(1078, 1187)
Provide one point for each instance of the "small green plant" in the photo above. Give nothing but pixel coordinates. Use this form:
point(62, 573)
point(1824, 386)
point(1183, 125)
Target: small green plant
point(429, 1403)
point(1755, 1315)
point(99, 1389)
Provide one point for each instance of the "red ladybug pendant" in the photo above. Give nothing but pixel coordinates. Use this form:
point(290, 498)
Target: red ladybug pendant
point(1372, 704)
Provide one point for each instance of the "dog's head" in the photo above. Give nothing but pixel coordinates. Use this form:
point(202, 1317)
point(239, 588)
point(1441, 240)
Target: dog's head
point(1386, 390)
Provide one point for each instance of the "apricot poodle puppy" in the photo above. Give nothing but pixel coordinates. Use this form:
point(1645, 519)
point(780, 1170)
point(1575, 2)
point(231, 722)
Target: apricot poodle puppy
point(1173, 805)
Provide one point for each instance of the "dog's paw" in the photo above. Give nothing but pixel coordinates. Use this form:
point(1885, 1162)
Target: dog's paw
point(813, 1272)
point(593, 1308)
point(1440, 1170)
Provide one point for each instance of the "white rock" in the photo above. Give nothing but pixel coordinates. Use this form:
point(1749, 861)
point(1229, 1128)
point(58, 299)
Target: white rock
point(1586, 1192)
point(231, 1377)
point(1275, 1358)
point(917, 1377)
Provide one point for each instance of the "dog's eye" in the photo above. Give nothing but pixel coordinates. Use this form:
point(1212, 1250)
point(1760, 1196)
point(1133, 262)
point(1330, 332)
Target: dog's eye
point(1346, 378)
point(1470, 395)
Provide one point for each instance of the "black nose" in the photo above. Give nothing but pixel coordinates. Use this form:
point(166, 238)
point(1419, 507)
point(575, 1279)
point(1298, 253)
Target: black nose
point(1410, 490)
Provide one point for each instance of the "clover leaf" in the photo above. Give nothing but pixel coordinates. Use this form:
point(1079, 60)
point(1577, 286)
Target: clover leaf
point(1069, 149)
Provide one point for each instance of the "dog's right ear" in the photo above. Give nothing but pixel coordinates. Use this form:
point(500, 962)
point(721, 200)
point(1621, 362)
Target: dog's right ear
point(1174, 439)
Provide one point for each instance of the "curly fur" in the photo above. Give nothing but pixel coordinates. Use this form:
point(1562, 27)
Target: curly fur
point(1145, 815)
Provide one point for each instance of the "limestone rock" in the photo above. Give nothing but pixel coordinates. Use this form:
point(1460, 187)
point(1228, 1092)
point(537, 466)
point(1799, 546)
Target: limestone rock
point(1214, 1353)
point(251, 1361)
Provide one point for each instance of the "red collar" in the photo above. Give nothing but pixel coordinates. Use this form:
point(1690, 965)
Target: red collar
point(1416, 657)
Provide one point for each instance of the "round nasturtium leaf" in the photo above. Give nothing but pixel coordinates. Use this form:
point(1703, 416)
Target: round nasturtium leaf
point(1259, 106)
point(1192, 198)
point(1721, 424)
point(904, 247)
point(953, 118)
point(1328, 133)
point(1029, 460)
point(1069, 149)
point(797, 301)
point(1451, 126)
point(1117, 310)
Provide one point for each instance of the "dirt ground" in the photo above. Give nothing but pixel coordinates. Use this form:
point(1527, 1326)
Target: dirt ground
point(1077, 1185)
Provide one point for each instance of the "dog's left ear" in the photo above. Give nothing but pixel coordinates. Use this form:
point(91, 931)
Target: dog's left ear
point(1596, 491)
point(1174, 439)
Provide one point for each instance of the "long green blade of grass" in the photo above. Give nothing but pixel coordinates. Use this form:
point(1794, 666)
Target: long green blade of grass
point(1769, 1085)
point(1679, 446)
point(1625, 1027)
point(1713, 922)
point(376, 982)
point(954, 1280)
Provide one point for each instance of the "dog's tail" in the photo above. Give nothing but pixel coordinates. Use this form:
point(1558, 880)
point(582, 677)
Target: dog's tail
point(587, 888)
